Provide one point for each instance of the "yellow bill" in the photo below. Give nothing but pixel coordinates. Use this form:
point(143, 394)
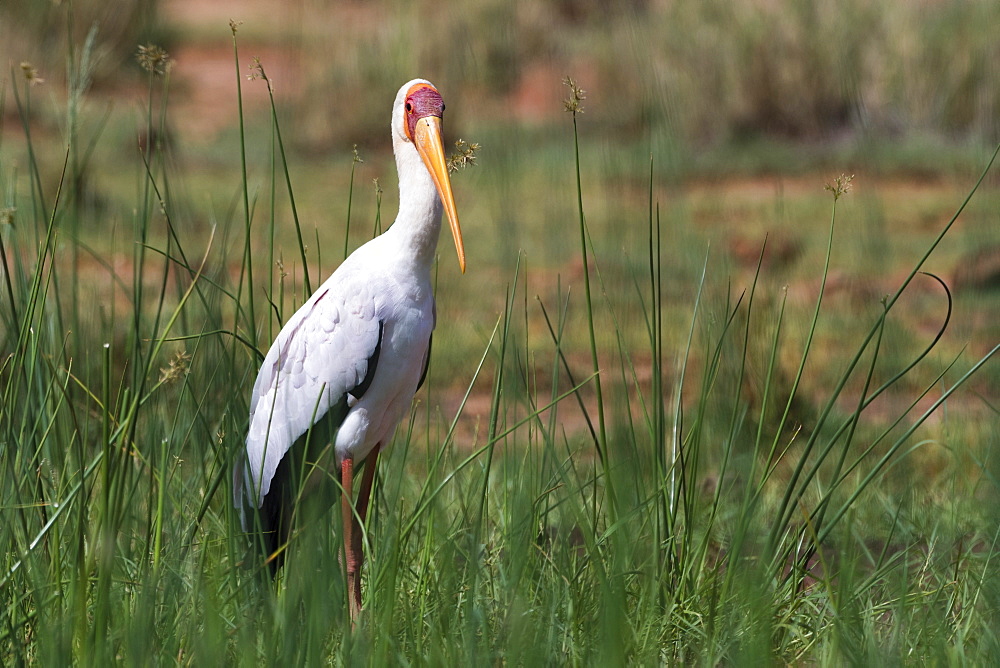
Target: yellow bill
point(427, 138)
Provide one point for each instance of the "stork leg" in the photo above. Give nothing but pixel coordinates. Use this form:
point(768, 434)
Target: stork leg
point(353, 544)
point(351, 560)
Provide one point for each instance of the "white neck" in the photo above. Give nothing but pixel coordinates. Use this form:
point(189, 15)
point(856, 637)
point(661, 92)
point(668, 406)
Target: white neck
point(418, 223)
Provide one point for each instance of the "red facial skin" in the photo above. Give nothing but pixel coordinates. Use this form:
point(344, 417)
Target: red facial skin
point(421, 101)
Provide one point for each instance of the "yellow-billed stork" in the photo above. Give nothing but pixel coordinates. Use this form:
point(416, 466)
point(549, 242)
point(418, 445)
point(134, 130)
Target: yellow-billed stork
point(342, 372)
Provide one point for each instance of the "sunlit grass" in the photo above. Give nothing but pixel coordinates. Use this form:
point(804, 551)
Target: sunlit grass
point(770, 503)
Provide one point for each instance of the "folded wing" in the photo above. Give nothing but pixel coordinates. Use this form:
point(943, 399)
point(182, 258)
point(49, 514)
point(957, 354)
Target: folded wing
point(324, 355)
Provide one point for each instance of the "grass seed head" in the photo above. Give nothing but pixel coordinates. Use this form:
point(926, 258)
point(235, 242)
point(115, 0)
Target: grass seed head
point(31, 74)
point(177, 368)
point(256, 70)
point(154, 59)
point(465, 157)
point(840, 186)
point(577, 95)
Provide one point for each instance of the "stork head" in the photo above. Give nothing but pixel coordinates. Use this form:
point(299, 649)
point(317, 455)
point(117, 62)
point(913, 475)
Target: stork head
point(416, 119)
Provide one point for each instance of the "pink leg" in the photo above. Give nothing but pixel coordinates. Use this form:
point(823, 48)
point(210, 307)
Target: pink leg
point(353, 544)
point(351, 557)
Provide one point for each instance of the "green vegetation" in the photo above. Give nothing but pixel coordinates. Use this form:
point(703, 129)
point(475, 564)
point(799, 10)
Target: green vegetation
point(787, 453)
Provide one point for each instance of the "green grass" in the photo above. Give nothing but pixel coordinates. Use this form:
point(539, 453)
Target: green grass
point(766, 466)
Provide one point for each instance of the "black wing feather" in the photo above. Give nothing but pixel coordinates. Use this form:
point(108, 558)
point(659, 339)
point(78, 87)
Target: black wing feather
point(427, 361)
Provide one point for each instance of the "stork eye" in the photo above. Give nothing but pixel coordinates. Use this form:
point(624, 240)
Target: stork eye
point(409, 108)
point(442, 107)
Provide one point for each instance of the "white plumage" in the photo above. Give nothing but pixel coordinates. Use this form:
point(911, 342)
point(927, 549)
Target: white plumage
point(361, 341)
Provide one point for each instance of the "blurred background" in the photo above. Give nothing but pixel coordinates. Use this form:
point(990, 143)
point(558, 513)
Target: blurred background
point(702, 74)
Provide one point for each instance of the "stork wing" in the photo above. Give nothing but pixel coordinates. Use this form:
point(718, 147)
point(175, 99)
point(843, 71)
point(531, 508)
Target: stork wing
point(326, 353)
